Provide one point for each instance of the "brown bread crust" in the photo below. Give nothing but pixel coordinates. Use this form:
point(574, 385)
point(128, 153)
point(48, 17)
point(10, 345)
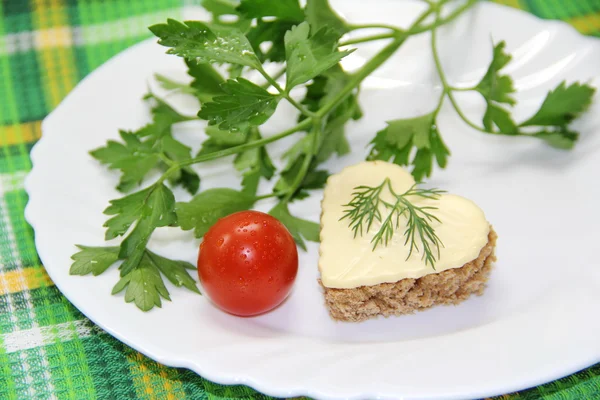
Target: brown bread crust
point(409, 295)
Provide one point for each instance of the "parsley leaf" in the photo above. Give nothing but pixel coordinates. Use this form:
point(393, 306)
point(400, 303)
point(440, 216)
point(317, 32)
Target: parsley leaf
point(133, 157)
point(300, 229)
point(288, 10)
point(245, 103)
point(320, 15)
point(206, 43)
point(494, 86)
point(562, 105)
point(207, 81)
point(308, 57)
point(185, 176)
point(500, 117)
point(144, 285)
point(254, 163)
point(314, 178)
point(495, 89)
point(273, 33)
point(170, 84)
point(175, 271)
point(562, 138)
point(396, 142)
point(227, 138)
point(152, 208)
point(220, 7)
point(93, 260)
point(323, 88)
point(125, 211)
point(141, 151)
point(208, 206)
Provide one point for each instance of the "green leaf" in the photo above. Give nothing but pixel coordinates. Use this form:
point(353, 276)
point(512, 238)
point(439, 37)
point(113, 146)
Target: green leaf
point(315, 92)
point(397, 141)
point(498, 116)
point(272, 32)
point(562, 105)
point(254, 163)
point(209, 206)
point(314, 179)
point(320, 15)
point(300, 229)
point(334, 142)
point(125, 211)
point(211, 146)
point(220, 7)
point(151, 208)
point(494, 86)
point(225, 137)
point(170, 84)
point(207, 81)
point(439, 149)
point(206, 43)
point(175, 271)
point(186, 176)
point(288, 10)
point(133, 158)
point(93, 260)
point(139, 153)
point(422, 164)
point(323, 88)
point(560, 139)
point(309, 57)
point(163, 117)
point(244, 104)
point(144, 286)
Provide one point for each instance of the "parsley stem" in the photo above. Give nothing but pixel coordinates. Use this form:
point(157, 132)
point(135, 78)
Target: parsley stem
point(369, 38)
point(166, 159)
point(246, 146)
point(444, 80)
point(276, 76)
point(174, 166)
point(457, 89)
point(441, 21)
point(371, 65)
point(354, 27)
point(308, 158)
point(269, 195)
point(285, 94)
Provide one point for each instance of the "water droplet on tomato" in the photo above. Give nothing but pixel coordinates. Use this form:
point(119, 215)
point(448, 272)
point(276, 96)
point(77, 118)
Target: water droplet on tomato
point(220, 242)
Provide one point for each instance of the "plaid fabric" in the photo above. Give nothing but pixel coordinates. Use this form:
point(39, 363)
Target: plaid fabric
point(48, 349)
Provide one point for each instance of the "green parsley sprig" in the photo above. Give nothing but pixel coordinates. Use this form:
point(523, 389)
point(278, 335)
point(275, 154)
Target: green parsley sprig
point(366, 207)
point(417, 141)
point(308, 44)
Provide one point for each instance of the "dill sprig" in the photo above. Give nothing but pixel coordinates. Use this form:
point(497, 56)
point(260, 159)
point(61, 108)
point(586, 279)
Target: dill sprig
point(366, 207)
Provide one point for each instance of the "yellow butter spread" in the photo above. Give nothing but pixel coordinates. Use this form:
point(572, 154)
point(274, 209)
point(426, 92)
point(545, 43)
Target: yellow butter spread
point(348, 262)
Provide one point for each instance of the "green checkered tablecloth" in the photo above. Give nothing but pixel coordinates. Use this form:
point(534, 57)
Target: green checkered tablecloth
point(48, 349)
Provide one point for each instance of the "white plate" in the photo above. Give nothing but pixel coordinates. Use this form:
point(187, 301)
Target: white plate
point(538, 318)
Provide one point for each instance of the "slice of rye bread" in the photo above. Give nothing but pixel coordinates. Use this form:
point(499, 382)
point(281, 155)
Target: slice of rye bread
point(406, 296)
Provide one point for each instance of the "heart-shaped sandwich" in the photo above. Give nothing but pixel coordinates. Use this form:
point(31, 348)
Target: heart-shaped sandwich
point(390, 248)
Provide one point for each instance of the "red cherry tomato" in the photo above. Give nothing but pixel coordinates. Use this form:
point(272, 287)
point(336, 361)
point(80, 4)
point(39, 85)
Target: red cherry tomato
point(248, 262)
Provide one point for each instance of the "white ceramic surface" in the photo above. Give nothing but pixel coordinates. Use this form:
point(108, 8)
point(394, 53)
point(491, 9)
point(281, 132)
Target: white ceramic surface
point(538, 318)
